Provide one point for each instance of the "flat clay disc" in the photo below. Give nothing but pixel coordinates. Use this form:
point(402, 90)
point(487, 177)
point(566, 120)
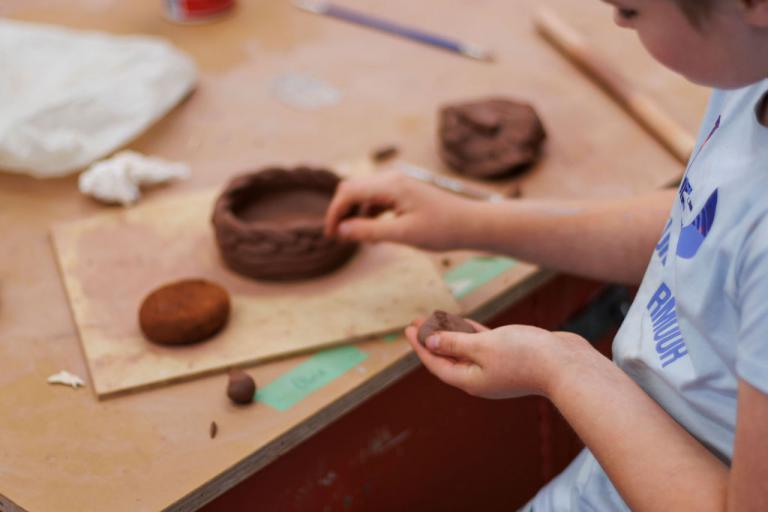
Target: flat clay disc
point(184, 312)
point(269, 224)
point(490, 138)
point(442, 321)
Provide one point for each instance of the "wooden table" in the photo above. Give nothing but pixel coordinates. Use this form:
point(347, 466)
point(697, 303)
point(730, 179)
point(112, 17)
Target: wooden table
point(64, 450)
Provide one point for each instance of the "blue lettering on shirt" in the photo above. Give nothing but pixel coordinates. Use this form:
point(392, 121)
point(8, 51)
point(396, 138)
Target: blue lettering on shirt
point(662, 248)
point(667, 337)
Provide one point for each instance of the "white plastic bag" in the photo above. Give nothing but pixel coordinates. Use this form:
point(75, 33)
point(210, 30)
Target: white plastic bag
point(68, 98)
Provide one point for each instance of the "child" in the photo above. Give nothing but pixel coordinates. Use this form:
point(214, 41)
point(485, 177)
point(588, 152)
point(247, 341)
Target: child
point(679, 420)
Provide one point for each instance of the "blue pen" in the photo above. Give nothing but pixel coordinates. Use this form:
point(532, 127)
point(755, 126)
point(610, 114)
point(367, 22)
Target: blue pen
point(343, 13)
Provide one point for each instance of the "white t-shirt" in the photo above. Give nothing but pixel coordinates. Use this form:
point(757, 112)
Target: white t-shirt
point(699, 322)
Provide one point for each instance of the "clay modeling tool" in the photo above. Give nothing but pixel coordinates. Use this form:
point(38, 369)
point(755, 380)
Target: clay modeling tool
point(450, 184)
point(328, 9)
point(676, 139)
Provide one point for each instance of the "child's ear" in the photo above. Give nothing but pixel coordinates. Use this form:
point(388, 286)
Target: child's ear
point(756, 12)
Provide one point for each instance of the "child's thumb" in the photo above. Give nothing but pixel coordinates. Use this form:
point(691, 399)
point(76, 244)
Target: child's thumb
point(458, 345)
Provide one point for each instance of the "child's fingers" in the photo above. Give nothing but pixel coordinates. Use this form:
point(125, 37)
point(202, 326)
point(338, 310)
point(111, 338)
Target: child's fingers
point(373, 191)
point(370, 230)
point(450, 371)
point(416, 322)
point(457, 345)
point(480, 327)
point(341, 204)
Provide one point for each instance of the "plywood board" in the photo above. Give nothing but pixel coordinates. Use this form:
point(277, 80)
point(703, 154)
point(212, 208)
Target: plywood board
point(109, 262)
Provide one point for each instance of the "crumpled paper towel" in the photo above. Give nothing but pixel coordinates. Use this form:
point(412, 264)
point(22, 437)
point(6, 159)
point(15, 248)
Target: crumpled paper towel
point(69, 97)
point(117, 179)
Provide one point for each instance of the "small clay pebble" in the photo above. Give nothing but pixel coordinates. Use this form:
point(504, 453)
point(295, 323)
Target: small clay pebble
point(515, 191)
point(184, 312)
point(442, 321)
point(241, 387)
point(213, 429)
point(382, 154)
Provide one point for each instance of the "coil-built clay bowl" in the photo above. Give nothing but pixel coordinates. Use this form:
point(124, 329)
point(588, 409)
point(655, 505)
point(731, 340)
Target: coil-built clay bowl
point(269, 224)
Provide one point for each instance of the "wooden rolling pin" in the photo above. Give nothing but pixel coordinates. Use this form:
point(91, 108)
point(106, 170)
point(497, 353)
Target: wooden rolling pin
point(676, 139)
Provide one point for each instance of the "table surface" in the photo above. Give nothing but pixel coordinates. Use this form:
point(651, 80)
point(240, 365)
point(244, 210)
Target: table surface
point(63, 449)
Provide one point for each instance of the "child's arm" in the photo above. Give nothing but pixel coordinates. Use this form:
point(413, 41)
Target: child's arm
point(607, 240)
point(654, 462)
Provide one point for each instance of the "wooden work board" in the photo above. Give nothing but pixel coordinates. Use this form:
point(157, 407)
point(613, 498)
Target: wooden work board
point(110, 261)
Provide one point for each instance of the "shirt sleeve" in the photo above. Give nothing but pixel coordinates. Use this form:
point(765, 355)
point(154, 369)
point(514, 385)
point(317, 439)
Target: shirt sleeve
point(752, 282)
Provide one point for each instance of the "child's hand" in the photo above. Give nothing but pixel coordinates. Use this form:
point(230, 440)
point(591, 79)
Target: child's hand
point(423, 215)
point(510, 361)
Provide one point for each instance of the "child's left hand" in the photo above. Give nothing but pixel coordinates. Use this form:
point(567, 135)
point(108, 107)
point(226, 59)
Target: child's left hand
point(510, 361)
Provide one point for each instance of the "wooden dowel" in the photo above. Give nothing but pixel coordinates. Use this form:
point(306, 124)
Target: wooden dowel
point(676, 139)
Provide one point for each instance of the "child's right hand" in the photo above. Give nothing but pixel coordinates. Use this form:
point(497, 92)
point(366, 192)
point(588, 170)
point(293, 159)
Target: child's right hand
point(423, 216)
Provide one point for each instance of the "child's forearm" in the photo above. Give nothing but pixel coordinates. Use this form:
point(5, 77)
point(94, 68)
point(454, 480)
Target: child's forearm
point(606, 240)
point(654, 463)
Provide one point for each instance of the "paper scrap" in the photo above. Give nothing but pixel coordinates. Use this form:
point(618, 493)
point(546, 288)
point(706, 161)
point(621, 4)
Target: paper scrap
point(67, 379)
point(117, 179)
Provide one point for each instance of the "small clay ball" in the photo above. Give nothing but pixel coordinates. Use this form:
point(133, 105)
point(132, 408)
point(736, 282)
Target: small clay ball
point(184, 312)
point(241, 387)
point(442, 321)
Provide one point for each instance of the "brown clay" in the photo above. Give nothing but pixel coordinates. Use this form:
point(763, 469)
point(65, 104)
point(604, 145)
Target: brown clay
point(490, 138)
point(384, 153)
point(269, 224)
point(442, 321)
point(184, 312)
point(241, 387)
point(213, 429)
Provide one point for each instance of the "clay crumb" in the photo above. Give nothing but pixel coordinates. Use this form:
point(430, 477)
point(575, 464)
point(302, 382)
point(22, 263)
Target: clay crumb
point(515, 191)
point(213, 430)
point(384, 153)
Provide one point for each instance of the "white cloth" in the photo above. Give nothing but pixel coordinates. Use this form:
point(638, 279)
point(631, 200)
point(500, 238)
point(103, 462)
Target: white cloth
point(699, 321)
point(117, 179)
point(68, 98)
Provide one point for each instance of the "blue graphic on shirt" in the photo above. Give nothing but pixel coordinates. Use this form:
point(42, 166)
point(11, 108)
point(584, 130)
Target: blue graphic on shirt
point(668, 339)
point(685, 192)
point(693, 235)
point(662, 248)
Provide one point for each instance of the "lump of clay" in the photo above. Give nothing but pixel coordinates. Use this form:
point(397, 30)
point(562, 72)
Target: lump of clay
point(241, 387)
point(184, 312)
point(442, 321)
point(269, 224)
point(490, 138)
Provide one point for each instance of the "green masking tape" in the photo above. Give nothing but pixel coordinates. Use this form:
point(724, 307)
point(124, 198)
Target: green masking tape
point(474, 273)
point(314, 373)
